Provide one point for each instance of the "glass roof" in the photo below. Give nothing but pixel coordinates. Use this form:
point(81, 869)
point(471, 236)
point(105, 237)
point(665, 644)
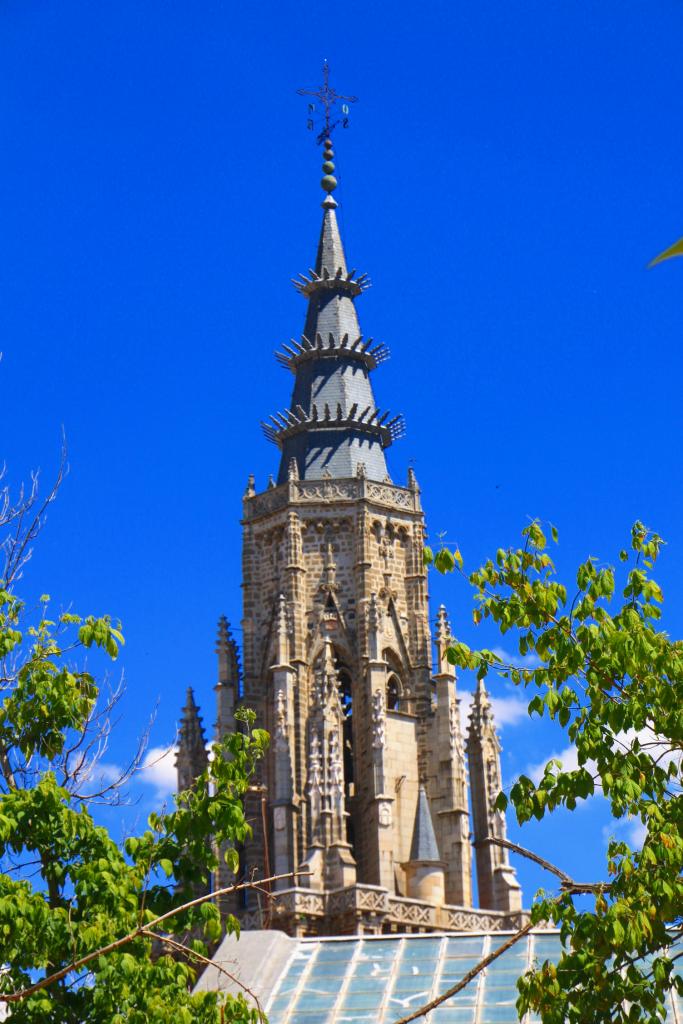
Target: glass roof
point(379, 980)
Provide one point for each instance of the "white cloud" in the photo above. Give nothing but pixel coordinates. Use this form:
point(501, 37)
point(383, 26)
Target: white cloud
point(507, 710)
point(106, 772)
point(158, 770)
point(632, 830)
point(654, 745)
point(569, 758)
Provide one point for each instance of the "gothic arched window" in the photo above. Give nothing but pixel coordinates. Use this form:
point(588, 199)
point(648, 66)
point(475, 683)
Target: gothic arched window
point(393, 693)
point(396, 691)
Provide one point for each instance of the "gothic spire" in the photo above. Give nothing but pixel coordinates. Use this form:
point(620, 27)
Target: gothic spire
point(442, 639)
point(191, 758)
point(481, 715)
point(332, 423)
point(228, 656)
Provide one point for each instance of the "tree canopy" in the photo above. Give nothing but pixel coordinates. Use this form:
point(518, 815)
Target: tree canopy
point(612, 679)
point(91, 932)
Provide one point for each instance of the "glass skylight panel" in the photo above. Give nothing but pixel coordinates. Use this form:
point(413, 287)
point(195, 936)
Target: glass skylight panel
point(333, 952)
point(465, 997)
point(281, 1002)
point(456, 969)
point(366, 1000)
point(465, 945)
point(412, 983)
point(422, 949)
point(359, 981)
point(506, 1014)
point(365, 967)
point(546, 947)
point(452, 1015)
point(288, 983)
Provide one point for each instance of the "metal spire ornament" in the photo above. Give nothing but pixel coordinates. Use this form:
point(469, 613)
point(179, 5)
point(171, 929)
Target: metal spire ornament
point(328, 98)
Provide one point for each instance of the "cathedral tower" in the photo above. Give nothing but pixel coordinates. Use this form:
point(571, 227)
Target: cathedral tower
point(364, 788)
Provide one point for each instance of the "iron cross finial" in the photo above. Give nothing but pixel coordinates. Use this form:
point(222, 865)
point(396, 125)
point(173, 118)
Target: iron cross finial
point(329, 98)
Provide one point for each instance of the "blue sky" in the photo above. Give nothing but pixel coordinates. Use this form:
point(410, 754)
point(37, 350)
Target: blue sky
point(509, 172)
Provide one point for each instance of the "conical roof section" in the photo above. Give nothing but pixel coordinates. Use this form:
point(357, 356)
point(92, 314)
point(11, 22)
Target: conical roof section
point(330, 311)
point(424, 846)
point(332, 427)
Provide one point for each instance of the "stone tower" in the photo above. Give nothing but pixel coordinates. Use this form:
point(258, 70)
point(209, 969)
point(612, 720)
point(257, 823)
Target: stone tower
point(364, 789)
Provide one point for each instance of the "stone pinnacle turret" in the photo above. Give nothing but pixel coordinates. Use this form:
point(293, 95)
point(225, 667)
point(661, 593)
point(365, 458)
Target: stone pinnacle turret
point(496, 881)
point(191, 758)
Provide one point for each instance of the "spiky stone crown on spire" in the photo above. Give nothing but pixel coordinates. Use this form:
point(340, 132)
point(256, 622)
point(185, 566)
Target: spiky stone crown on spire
point(481, 724)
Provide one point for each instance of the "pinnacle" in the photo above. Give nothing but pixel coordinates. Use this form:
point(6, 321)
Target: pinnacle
point(224, 637)
point(481, 712)
point(443, 629)
point(190, 703)
point(191, 731)
point(282, 613)
point(424, 847)
point(330, 257)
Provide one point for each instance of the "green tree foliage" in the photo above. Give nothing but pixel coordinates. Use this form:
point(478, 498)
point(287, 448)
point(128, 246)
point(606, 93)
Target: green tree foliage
point(74, 906)
point(613, 681)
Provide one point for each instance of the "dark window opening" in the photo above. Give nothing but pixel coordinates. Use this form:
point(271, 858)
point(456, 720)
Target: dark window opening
point(393, 694)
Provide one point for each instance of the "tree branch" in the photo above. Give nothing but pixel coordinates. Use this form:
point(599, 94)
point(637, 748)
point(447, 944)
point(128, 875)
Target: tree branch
point(209, 963)
point(522, 850)
point(568, 884)
point(15, 997)
point(460, 985)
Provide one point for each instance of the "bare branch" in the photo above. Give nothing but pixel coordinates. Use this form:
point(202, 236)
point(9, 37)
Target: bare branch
point(460, 985)
point(209, 963)
point(26, 521)
point(568, 884)
point(523, 852)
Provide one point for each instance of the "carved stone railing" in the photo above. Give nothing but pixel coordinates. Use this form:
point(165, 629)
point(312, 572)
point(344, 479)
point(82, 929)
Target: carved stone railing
point(412, 913)
point(473, 919)
point(299, 901)
point(310, 492)
point(374, 906)
point(358, 899)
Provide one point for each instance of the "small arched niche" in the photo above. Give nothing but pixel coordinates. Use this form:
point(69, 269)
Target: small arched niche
point(395, 689)
point(393, 692)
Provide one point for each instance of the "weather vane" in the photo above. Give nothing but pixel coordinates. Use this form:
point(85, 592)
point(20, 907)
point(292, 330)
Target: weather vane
point(329, 99)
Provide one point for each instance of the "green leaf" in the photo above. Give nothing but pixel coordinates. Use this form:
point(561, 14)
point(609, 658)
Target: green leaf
point(444, 561)
point(674, 250)
point(232, 859)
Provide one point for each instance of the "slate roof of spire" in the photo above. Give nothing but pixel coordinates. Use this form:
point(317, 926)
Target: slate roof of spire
point(333, 423)
point(423, 847)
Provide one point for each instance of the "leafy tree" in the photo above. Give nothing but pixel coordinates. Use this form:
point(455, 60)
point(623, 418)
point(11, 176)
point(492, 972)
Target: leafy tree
point(613, 681)
point(87, 929)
